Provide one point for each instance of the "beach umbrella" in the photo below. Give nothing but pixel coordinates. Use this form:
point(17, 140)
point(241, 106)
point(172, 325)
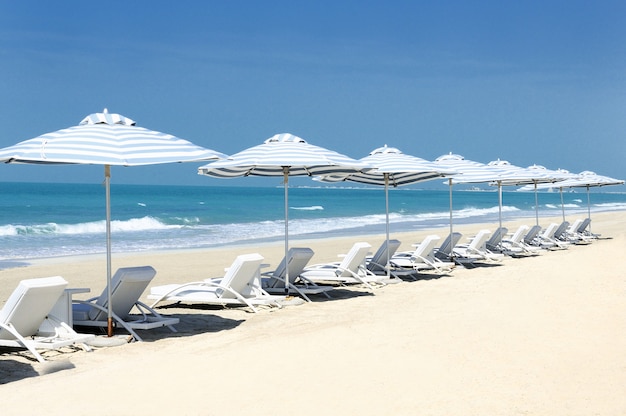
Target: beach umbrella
point(544, 175)
point(111, 140)
point(586, 179)
point(516, 175)
point(469, 171)
point(283, 155)
point(392, 167)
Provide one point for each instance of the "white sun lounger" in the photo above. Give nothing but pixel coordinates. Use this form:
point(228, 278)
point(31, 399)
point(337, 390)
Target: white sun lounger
point(378, 265)
point(572, 235)
point(351, 270)
point(534, 238)
point(476, 250)
point(445, 252)
point(127, 285)
point(515, 246)
point(297, 258)
point(422, 258)
point(26, 320)
point(548, 239)
point(583, 229)
point(494, 243)
point(240, 286)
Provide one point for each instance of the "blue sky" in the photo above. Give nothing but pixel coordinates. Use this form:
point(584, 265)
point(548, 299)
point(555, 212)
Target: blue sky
point(531, 82)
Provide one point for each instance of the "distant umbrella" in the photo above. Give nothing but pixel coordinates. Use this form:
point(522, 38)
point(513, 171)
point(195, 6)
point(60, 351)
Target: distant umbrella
point(545, 176)
point(392, 167)
point(515, 175)
point(283, 155)
point(469, 171)
point(110, 140)
point(586, 179)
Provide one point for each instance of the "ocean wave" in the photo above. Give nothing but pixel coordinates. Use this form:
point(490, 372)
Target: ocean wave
point(611, 206)
point(131, 225)
point(311, 208)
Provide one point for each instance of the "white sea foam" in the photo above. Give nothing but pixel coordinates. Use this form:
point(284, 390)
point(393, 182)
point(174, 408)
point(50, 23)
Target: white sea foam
point(134, 224)
point(311, 208)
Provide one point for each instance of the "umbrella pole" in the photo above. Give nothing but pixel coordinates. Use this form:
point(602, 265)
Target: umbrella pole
point(450, 190)
point(451, 230)
point(388, 266)
point(107, 184)
point(536, 206)
point(589, 207)
point(500, 202)
point(562, 204)
point(286, 184)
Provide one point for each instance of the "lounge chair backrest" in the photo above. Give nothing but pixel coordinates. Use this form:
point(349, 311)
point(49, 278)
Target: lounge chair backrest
point(573, 229)
point(379, 259)
point(583, 225)
point(445, 250)
point(497, 236)
point(241, 274)
point(532, 234)
point(549, 232)
point(354, 259)
point(561, 229)
point(426, 248)
point(127, 285)
point(479, 241)
point(519, 234)
point(29, 304)
point(298, 258)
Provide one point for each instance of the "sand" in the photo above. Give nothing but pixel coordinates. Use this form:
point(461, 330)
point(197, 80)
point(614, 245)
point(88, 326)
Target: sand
point(533, 336)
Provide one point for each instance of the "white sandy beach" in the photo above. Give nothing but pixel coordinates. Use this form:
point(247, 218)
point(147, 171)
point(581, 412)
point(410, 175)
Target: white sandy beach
point(534, 336)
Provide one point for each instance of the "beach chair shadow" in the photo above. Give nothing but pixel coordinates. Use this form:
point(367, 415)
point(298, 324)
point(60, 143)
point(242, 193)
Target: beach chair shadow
point(127, 285)
point(26, 321)
point(15, 370)
point(196, 322)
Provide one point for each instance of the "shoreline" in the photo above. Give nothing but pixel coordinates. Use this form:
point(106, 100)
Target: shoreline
point(295, 240)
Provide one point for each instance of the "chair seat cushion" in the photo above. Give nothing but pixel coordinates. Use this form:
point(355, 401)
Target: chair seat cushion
point(80, 312)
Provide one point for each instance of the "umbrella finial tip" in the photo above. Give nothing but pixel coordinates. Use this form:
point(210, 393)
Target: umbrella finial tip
point(106, 111)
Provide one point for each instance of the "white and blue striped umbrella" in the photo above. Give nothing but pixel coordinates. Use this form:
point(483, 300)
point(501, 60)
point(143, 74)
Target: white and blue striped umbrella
point(469, 171)
point(392, 167)
point(515, 175)
point(585, 179)
point(106, 139)
point(547, 176)
point(279, 153)
point(283, 155)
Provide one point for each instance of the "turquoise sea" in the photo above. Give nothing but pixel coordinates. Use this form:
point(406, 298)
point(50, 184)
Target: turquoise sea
point(39, 220)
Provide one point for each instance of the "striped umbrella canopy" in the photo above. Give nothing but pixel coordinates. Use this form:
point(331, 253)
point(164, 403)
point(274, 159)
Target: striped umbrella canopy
point(545, 175)
point(516, 175)
point(469, 171)
point(392, 167)
point(106, 139)
point(283, 155)
point(585, 179)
